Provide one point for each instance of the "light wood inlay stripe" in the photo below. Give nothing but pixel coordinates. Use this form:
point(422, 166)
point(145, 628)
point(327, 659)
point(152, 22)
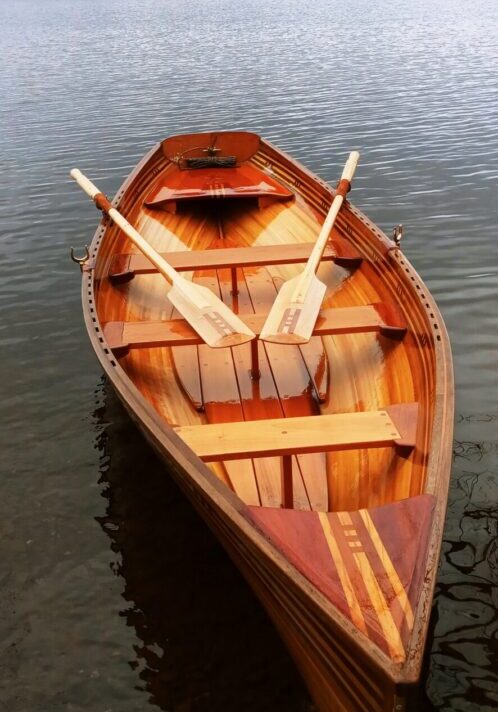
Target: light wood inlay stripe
point(345, 518)
point(352, 601)
point(389, 567)
point(388, 625)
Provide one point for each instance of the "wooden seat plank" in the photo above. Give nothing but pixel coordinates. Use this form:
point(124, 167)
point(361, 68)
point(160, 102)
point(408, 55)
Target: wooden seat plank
point(339, 250)
point(176, 332)
point(288, 436)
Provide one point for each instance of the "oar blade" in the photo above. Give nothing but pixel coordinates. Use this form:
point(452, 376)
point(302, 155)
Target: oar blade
point(293, 322)
point(215, 323)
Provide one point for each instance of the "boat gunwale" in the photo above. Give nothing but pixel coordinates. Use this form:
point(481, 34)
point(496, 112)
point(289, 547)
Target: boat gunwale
point(229, 505)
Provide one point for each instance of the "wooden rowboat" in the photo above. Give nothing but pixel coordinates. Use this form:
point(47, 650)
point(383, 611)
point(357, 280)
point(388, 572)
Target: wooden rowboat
point(323, 466)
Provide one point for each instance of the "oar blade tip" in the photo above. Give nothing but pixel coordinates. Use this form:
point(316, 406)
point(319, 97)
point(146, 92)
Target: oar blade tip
point(215, 323)
point(291, 322)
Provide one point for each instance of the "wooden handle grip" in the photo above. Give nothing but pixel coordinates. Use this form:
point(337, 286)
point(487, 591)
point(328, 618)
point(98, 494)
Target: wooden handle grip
point(350, 167)
point(101, 201)
point(319, 248)
point(86, 185)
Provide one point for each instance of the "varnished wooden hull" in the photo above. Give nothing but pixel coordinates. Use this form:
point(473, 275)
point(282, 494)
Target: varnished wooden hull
point(351, 658)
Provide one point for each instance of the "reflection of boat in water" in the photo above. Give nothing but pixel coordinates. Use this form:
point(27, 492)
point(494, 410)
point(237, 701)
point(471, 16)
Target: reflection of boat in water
point(203, 643)
point(327, 461)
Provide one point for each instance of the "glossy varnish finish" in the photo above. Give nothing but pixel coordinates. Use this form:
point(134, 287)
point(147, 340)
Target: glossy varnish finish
point(352, 609)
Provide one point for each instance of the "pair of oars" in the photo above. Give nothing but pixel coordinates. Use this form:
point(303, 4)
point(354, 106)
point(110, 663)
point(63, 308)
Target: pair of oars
point(295, 310)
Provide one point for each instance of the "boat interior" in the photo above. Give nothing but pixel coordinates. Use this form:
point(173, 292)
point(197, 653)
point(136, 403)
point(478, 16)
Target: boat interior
point(338, 424)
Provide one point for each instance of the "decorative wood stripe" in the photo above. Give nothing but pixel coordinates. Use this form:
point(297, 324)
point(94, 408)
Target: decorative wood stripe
point(374, 629)
point(374, 595)
point(125, 266)
point(388, 566)
point(349, 591)
point(391, 632)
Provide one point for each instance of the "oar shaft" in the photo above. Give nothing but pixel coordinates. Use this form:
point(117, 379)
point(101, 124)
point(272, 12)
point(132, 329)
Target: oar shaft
point(316, 255)
point(103, 203)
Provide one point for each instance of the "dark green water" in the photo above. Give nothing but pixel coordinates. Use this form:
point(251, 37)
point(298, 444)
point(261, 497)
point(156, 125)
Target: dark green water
point(114, 596)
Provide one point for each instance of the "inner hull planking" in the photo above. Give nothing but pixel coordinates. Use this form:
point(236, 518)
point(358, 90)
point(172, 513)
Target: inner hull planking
point(341, 544)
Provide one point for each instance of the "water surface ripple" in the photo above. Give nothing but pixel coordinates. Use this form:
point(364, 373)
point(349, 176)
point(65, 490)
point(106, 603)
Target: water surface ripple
point(102, 608)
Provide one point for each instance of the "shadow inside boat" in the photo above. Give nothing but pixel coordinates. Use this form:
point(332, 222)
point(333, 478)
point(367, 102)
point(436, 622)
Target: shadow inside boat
point(203, 641)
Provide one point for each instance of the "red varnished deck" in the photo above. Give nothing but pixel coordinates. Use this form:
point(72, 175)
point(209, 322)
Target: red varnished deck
point(368, 563)
point(242, 182)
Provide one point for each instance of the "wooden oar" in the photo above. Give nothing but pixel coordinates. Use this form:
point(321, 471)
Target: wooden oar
point(215, 323)
point(295, 310)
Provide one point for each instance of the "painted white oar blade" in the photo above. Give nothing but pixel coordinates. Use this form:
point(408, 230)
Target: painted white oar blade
point(291, 322)
point(215, 323)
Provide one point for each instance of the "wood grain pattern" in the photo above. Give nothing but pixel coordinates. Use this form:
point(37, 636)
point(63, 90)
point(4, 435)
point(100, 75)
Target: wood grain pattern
point(176, 332)
point(394, 501)
point(241, 182)
point(345, 555)
point(128, 265)
point(288, 436)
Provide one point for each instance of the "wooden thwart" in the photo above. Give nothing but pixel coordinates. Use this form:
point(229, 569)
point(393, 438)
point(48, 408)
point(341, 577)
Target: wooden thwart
point(125, 266)
point(177, 332)
point(395, 425)
point(313, 433)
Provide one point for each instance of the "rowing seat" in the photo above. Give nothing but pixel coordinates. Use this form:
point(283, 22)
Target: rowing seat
point(126, 265)
point(241, 181)
point(395, 425)
point(381, 318)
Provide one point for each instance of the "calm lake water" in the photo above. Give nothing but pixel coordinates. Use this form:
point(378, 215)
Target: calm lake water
point(114, 596)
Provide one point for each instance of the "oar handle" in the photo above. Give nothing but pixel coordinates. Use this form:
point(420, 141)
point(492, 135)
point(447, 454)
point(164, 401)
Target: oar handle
point(86, 185)
point(321, 243)
point(103, 203)
point(350, 167)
